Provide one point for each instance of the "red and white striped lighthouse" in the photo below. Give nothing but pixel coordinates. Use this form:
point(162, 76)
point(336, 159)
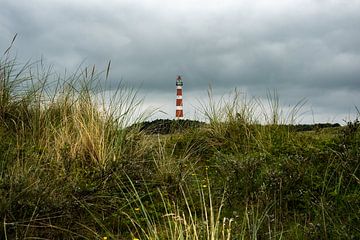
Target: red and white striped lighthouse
point(179, 99)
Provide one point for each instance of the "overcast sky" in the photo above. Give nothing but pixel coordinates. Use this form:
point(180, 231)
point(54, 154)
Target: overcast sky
point(302, 48)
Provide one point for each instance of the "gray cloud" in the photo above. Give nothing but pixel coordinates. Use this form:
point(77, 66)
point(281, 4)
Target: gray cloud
point(306, 48)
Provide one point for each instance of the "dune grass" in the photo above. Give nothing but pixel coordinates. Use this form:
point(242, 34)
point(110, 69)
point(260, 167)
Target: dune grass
point(72, 168)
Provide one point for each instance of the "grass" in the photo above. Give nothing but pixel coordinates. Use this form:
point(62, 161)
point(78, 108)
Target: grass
point(72, 168)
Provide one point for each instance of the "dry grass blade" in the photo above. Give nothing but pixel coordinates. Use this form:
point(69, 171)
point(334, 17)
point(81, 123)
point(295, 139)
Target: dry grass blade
point(108, 70)
point(11, 44)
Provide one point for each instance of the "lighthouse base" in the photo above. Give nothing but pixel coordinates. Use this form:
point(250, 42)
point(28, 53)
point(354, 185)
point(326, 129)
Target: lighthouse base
point(179, 114)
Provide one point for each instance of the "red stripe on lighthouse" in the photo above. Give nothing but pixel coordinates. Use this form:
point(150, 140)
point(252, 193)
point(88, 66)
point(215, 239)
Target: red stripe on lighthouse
point(179, 114)
point(178, 92)
point(178, 102)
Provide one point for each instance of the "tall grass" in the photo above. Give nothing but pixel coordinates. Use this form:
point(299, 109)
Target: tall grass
point(72, 168)
point(171, 219)
point(55, 131)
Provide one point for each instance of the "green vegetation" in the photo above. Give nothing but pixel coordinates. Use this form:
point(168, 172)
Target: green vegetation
point(72, 168)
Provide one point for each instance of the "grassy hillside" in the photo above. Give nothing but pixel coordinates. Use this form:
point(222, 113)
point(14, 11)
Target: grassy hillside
point(70, 168)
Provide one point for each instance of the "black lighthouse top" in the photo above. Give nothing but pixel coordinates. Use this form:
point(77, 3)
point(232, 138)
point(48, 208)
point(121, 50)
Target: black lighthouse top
point(179, 81)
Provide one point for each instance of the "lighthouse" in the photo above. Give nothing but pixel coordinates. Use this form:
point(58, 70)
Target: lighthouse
point(179, 99)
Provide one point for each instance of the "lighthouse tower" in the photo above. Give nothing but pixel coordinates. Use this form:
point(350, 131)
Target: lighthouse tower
point(179, 99)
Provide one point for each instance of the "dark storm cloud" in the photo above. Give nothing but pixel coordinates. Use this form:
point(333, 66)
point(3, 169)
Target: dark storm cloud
point(303, 48)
